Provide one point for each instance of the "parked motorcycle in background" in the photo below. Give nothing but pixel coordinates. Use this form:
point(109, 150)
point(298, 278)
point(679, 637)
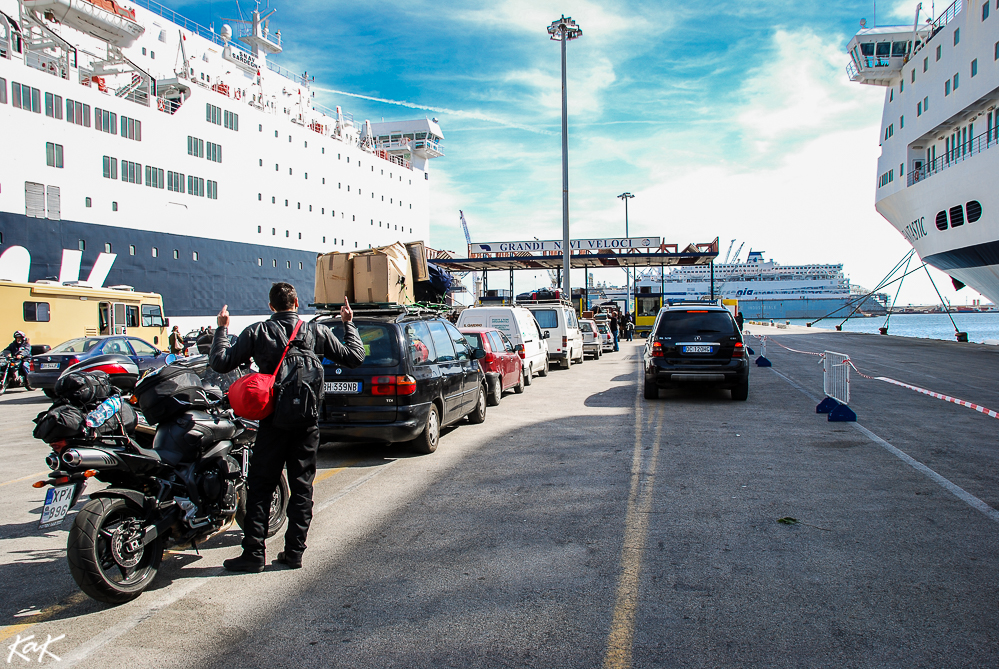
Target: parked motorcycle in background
point(187, 488)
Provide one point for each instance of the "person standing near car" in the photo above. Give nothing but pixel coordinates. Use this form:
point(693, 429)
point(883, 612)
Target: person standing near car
point(613, 328)
point(177, 345)
point(629, 326)
point(276, 448)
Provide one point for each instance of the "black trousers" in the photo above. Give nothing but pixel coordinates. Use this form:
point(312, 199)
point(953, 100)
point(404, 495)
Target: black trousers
point(273, 451)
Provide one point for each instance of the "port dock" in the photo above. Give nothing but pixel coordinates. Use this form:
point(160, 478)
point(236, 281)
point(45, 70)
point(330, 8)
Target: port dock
point(582, 526)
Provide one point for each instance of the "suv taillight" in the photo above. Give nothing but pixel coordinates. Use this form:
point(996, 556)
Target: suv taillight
point(657, 350)
point(393, 385)
point(565, 342)
point(740, 350)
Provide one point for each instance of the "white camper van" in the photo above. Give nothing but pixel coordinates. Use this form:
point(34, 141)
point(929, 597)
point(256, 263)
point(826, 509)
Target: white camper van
point(558, 320)
point(520, 327)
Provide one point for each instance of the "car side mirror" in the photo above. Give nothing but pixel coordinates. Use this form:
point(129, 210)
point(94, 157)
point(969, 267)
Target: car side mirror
point(478, 354)
point(519, 348)
point(546, 335)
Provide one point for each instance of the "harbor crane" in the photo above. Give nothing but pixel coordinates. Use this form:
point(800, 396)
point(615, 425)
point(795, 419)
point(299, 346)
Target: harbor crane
point(735, 258)
point(729, 253)
point(468, 239)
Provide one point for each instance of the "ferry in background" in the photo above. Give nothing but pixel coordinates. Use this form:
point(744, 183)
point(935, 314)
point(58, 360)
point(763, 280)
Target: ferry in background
point(939, 135)
point(143, 149)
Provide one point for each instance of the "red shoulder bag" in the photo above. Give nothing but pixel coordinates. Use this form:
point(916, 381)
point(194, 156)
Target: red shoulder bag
point(252, 396)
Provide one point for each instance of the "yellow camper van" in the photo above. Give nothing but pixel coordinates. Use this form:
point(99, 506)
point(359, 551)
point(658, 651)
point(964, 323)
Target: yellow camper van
point(51, 313)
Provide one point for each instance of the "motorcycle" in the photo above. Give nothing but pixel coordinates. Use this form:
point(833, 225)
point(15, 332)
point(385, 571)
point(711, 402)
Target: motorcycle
point(13, 373)
point(187, 488)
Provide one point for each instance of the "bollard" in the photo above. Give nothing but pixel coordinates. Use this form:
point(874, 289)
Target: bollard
point(962, 337)
point(883, 331)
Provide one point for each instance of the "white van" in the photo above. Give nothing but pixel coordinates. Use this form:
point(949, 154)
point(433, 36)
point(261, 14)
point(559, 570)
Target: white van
point(558, 321)
point(519, 326)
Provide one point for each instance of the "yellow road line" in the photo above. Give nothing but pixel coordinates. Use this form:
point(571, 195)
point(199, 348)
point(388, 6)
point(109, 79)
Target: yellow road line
point(622, 632)
point(336, 470)
point(24, 478)
point(8, 631)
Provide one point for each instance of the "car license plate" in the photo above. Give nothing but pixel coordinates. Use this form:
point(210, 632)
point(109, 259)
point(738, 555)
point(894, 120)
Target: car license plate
point(50, 365)
point(698, 349)
point(342, 387)
point(57, 503)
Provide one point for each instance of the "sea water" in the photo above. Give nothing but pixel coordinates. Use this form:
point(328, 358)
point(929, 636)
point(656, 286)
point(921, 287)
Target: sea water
point(979, 326)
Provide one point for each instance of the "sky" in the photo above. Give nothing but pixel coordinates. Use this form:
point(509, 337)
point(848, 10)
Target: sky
point(733, 120)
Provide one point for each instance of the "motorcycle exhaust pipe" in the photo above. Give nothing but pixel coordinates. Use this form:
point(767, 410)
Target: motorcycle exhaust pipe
point(90, 458)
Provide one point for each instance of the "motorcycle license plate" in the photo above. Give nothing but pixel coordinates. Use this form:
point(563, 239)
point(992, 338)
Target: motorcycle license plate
point(698, 349)
point(50, 365)
point(342, 387)
point(57, 503)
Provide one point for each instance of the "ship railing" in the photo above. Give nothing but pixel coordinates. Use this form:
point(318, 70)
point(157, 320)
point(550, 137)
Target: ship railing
point(284, 72)
point(958, 153)
point(323, 109)
point(937, 25)
point(186, 23)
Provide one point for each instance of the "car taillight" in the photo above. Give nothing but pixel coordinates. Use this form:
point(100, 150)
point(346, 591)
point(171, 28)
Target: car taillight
point(72, 361)
point(110, 368)
point(565, 342)
point(657, 350)
point(522, 354)
point(31, 364)
point(740, 350)
point(393, 385)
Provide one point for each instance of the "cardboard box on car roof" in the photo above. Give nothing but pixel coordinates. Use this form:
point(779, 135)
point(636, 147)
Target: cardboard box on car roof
point(334, 277)
point(384, 274)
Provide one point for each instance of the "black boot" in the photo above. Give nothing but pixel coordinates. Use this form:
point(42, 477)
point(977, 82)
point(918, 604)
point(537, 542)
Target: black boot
point(245, 562)
point(291, 560)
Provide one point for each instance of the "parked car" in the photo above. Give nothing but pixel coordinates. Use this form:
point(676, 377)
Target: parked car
point(692, 343)
point(419, 375)
point(607, 339)
point(520, 327)
point(44, 369)
point(592, 338)
point(558, 321)
point(502, 365)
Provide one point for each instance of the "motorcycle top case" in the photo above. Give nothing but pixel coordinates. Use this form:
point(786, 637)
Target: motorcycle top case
point(170, 391)
point(184, 438)
point(83, 388)
point(60, 421)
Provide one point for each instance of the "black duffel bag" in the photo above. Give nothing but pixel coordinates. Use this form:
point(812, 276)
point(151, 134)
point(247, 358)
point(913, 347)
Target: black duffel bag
point(60, 421)
point(168, 392)
point(83, 388)
point(126, 419)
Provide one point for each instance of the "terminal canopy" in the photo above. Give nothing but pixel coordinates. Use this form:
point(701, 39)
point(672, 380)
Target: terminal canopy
point(663, 255)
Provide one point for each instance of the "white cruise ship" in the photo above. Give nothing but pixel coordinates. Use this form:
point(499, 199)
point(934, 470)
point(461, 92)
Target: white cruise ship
point(143, 149)
point(940, 135)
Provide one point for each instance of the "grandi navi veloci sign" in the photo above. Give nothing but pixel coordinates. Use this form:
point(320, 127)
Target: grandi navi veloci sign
point(537, 246)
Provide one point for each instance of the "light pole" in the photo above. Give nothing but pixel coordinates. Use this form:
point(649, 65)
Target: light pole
point(562, 31)
point(627, 282)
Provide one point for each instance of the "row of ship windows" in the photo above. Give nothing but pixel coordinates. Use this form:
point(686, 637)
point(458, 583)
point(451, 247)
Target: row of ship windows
point(339, 185)
point(886, 178)
point(173, 181)
point(30, 99)
point(195, 257)
point(196, 148)
point(219, 116)
point(287, 233)
point(973, 210)
point(260, 197)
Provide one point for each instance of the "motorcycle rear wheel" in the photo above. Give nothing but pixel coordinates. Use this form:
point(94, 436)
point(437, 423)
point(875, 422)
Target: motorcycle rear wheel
point(279, 507)
point(99, 559)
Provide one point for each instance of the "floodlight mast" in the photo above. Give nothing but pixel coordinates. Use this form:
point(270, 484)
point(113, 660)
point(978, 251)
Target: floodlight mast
point(627, 282)
point(563, 30)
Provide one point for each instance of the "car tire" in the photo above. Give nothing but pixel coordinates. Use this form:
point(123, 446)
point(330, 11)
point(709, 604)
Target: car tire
point(597, 355)
point(426, 443)
point(519, 388)
point(528, 376)
point(651, 390)
point(478, 414)
point(741, 392)
point(496, 394)
point(544, 370)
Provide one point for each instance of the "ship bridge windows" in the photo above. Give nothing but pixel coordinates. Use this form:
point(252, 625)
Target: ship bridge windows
point(105, 121)
point(25, 97)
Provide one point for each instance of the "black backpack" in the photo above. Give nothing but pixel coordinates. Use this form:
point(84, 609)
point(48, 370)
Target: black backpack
point(60, 421)
point(83, 388)
point(298, 384)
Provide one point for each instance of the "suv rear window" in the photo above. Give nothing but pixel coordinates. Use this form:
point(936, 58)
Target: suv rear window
point(379, 341)
point(696, 322)
point(547, 318)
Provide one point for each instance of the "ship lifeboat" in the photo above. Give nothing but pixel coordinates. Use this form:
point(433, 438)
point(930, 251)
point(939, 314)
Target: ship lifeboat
point(221, 88)
point(316, 126)
point(104, 19)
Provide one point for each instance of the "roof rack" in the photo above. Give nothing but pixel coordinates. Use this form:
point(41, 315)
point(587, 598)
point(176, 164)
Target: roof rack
point(382, 309)
point(562, 302)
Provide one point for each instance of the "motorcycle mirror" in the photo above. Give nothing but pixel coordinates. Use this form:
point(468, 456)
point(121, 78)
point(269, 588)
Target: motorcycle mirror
point(170, 359)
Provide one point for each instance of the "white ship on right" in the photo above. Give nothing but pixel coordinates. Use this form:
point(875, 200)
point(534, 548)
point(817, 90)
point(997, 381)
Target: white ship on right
point(938, 174)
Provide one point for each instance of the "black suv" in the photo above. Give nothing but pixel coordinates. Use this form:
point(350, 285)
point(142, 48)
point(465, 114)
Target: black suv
point(419, 374)
point(696, 343)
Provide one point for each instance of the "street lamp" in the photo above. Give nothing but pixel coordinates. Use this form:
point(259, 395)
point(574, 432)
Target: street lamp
point(627, 271)
point(562, 31)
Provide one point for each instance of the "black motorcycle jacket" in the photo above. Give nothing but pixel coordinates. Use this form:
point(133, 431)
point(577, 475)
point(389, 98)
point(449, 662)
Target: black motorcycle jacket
point(22, 350)
point(265, 342)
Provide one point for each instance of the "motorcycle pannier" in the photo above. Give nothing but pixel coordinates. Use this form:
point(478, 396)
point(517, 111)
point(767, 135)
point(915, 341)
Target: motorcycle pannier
point(183, 438)
point(168, 392)
point(83, 388)
point(61, 421)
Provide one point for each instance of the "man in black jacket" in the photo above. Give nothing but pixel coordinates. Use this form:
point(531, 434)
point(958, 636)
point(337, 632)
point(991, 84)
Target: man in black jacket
point(275, 448)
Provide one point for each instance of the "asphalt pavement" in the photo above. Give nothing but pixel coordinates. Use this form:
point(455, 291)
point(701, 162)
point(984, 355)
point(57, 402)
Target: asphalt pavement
point(583, 526)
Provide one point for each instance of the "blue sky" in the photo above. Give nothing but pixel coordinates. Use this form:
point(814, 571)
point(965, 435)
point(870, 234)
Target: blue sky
point(727, 119)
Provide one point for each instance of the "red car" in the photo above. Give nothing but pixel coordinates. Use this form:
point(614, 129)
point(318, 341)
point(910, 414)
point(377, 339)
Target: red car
point(502, 365)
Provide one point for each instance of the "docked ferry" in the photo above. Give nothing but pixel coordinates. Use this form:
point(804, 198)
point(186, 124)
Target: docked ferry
point(143, 149)
point(936, 174)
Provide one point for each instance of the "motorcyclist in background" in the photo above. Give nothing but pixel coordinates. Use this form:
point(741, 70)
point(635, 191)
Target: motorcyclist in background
point(19, 351)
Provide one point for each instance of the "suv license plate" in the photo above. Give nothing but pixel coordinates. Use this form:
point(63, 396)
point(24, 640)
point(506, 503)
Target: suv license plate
point(57, 503)
point(698, 349)
point(342, 387)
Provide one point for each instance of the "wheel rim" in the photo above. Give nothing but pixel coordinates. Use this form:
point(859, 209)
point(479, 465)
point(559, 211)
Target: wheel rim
point(276, 506)
point(481, 406)
point(433, 427)
point(122, 558)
